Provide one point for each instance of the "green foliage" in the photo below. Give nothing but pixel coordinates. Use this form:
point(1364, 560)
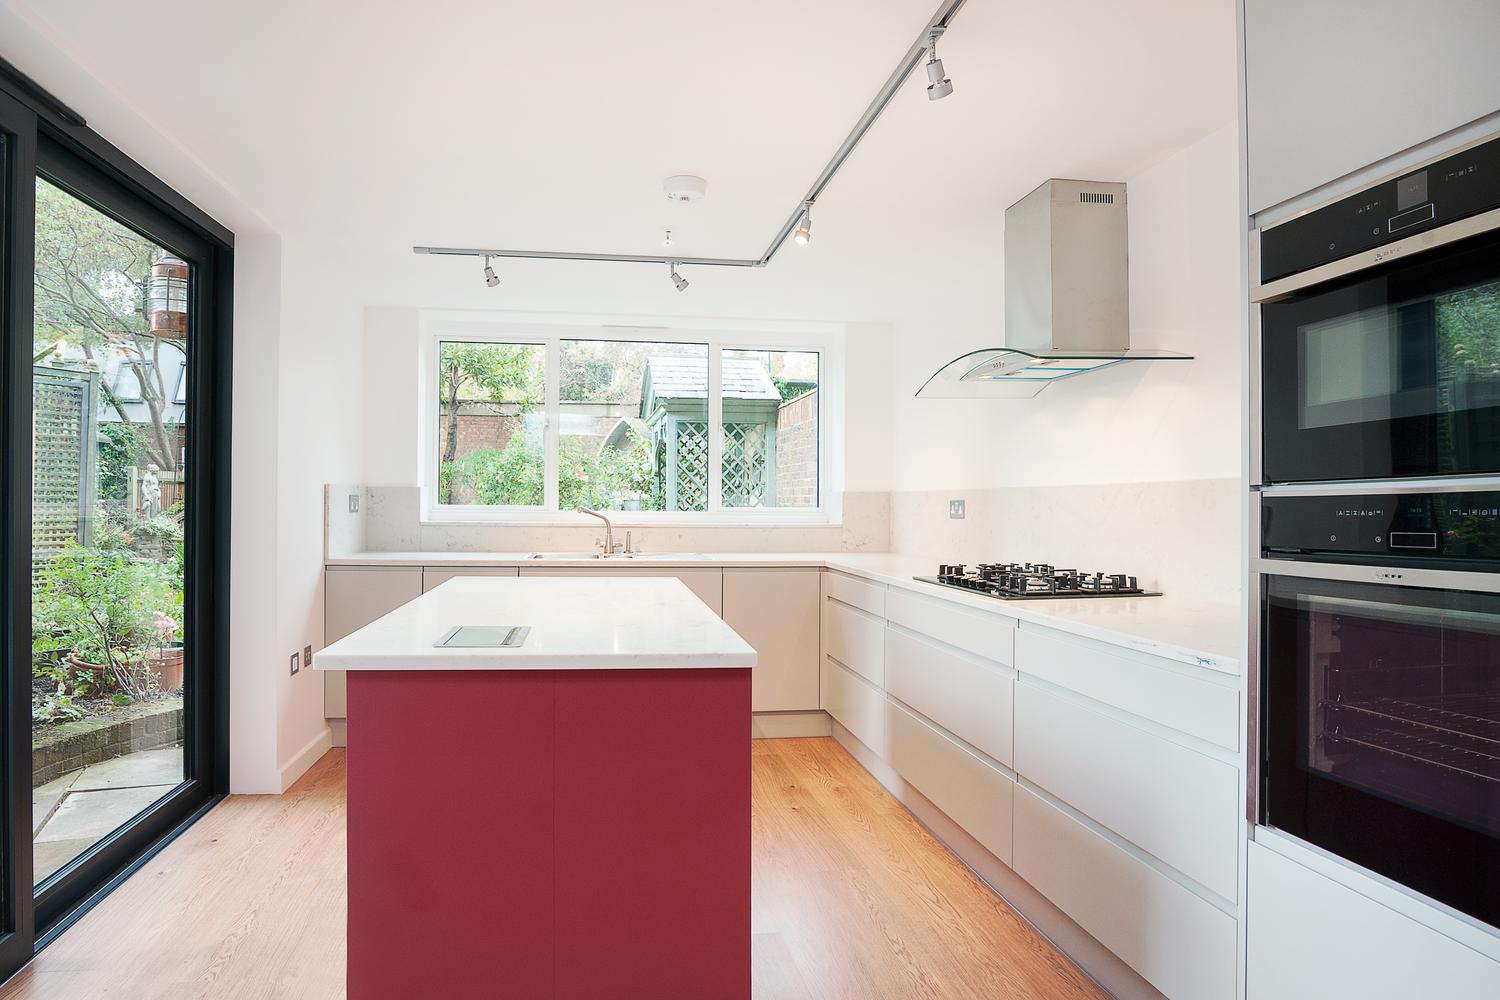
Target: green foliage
point(604, 479)
point(57, 706)
point(119, 446)
point(491, 373)
point(791, 389)
point(509, 476)
point(109, 608)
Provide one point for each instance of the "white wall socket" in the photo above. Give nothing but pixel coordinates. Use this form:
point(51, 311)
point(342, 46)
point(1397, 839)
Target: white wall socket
point(956, 509)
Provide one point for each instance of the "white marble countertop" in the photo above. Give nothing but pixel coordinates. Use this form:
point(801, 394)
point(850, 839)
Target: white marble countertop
point(1200, 633)
point(577, 623)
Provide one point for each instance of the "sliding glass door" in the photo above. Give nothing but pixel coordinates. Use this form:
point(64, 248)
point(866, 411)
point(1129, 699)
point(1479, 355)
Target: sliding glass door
point(115, 488)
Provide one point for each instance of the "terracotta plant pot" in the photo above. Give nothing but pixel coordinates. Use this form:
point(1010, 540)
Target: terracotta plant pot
point(167, 668)
point(91, 673)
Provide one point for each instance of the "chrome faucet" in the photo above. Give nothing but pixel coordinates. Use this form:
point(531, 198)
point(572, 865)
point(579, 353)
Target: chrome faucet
point(609, 529)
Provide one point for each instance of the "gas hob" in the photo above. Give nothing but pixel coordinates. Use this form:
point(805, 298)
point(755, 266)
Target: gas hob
point(1034, 581)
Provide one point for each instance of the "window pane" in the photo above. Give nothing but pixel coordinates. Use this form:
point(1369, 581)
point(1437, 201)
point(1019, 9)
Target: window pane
point(110, 444)
point(490, 424)
point(634, 426)
point(770, 413)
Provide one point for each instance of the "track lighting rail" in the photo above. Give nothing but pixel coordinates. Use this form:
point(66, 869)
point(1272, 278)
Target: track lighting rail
point(915, 56)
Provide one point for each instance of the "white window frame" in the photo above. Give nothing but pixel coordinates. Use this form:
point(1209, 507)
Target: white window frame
point(550, 330)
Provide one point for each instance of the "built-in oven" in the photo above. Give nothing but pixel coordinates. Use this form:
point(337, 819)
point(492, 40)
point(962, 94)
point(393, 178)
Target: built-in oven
point(1379, 330)
point(1379, 727)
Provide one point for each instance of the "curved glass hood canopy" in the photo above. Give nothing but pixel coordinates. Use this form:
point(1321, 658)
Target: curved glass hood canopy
point(1067, 296)
point(1008, 372)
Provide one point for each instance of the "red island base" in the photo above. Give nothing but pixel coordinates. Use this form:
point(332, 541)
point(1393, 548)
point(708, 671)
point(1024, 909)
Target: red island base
point(549, 833)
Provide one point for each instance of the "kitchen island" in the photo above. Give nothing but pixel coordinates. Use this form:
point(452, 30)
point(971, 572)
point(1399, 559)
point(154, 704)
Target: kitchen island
point(569, 817)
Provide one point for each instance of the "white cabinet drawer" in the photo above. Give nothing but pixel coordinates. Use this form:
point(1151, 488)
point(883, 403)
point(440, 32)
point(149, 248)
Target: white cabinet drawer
point(974, 793)
point(432, 576)
point(1177, 941)
point(1311, 938)
point(852, 590)
point(972, 699)
point(856, 640)
point(1205, 707)
point(990, 636)
point(1176, 804)
point(858, 705)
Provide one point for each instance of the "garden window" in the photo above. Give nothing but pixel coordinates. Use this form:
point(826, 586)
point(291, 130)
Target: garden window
point(527, 427)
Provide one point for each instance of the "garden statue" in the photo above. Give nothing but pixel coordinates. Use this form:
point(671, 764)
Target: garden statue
point(150, 493)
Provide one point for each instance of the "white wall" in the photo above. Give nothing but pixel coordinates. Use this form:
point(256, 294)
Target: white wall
point(1132, 423)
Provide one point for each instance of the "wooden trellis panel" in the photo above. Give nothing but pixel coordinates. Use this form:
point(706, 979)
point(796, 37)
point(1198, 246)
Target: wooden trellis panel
point(63, 460)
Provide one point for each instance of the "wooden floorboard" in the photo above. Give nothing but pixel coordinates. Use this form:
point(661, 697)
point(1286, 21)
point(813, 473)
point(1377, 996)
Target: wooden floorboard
point(853, 899)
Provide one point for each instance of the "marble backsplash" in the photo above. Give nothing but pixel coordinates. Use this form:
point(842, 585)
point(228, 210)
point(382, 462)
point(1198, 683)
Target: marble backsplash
point(1180, 537)
point(389, 519)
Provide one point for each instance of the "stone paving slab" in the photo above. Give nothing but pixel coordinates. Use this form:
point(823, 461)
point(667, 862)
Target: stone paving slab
point(97, 813)
point(149, 767)
point(47, 797)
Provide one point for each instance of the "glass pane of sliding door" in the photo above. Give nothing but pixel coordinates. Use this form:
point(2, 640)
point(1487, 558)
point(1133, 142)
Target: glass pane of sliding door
point(109, 390)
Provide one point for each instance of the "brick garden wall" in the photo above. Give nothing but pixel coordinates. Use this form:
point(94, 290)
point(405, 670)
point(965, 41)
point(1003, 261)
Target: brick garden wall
point(797, 452)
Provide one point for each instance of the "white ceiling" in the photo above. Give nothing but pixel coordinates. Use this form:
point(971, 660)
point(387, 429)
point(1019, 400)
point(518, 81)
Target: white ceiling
point(551, 125)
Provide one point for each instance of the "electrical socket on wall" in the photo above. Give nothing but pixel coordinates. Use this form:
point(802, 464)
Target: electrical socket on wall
point(956, 509)
point(307, 657)
point(354, 503)
point(296, 663)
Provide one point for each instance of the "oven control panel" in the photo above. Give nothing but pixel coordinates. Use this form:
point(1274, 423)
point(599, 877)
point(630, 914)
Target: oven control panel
point(1450, 189)
point(1418, 525)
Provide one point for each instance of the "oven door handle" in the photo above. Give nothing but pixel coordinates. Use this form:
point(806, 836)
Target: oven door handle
point(1390, 576)
point(1401, 249)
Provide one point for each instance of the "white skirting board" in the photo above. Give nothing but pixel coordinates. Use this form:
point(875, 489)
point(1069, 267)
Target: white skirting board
point(308, 756)
point(1096, 961)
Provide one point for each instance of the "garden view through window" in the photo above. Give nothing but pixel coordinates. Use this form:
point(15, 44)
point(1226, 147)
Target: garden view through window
point(109, 439)
point(632, 423)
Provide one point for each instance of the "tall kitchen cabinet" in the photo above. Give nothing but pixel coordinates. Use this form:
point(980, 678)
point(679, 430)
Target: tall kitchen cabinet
point(1333, 86)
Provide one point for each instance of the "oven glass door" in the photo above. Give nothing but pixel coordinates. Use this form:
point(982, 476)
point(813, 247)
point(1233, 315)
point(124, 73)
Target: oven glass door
point(1392, 372)
point(1382, 731)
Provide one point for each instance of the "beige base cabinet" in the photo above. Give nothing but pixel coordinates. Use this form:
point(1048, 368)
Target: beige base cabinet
point(707, 583)
point(434, 575)
point(353, 597)
point(1311, 938)
point(776, 611)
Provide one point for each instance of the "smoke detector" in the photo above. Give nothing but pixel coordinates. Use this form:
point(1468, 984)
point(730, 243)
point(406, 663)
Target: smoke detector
point(684, 188)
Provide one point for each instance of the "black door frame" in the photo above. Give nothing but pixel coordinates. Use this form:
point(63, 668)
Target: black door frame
point(17, 230)
point(65, 152)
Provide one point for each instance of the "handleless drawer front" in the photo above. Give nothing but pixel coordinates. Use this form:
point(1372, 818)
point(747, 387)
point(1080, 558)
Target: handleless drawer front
point(856, 639)
point(990, 636)
point(1176, 804)
point(433, 576)
point(852, 590)
point(1176, 940)
point(858, 705)
point(973, 792)
point(1205, 707)
point(971, 698)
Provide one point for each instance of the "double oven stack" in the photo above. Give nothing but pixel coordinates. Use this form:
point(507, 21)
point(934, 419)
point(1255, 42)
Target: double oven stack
point(1375, 471)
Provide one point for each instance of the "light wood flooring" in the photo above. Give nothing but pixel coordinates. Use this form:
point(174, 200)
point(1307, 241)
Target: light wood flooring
point(852, 899)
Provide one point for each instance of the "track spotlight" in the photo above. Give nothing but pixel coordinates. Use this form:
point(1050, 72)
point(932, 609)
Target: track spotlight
point(803, 234)
point(678, 279)
point(490, 277)
point(938, 84)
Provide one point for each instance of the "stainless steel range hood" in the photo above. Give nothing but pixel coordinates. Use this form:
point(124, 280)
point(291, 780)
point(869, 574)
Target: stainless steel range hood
point(1067, 296)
